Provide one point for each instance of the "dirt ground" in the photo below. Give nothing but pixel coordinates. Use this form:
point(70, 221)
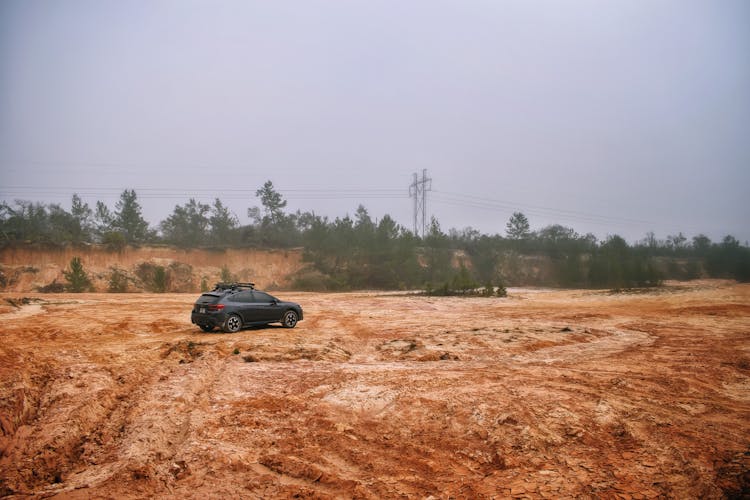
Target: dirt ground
point(542, 394)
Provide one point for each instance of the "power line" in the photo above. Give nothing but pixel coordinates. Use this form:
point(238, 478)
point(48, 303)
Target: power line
point(417, 191)
point(230, 193)
point(471, 201)
point(181, 190)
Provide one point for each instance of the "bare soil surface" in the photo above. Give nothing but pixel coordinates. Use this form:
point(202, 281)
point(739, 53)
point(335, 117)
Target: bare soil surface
point(563, 394)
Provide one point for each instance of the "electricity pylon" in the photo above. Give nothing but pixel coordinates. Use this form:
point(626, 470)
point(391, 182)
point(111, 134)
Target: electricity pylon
point(418, 191)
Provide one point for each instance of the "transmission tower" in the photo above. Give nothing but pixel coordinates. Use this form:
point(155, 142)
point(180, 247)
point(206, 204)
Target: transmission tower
point(418, 190)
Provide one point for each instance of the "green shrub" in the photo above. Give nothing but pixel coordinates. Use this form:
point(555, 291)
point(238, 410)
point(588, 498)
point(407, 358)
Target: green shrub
point(693, 270)
point(226, 275)
point(313, 281)
point(462, 282)
point(179, 278)
point(153, 277)
point(114, 241)
point(118, 281)
point(160, 279)
point(78, 280)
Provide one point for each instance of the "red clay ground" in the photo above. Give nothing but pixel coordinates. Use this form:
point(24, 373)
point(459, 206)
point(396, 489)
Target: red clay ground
point(543, 394)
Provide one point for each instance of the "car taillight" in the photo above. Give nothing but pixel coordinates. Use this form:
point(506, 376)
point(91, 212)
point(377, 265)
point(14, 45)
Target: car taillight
point(216, 307)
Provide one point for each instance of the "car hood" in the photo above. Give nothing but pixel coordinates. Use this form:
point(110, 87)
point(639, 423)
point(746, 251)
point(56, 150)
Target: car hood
point(289, 304)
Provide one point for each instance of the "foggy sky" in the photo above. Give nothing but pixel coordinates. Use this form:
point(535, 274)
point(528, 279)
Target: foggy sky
point(606, 116)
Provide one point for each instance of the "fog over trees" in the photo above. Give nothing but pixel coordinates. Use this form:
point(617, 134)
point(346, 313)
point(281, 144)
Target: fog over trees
point(359, 252)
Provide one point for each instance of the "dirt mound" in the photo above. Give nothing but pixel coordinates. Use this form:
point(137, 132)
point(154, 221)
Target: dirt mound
point(560, 394)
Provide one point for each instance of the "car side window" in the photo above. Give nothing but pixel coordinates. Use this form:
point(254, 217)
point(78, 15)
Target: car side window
point(262, 297)
point(242, 297)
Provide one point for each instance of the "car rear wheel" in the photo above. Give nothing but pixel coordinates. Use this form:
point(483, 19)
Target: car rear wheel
point(289, 320)
point(233, 324)
point(206, 328)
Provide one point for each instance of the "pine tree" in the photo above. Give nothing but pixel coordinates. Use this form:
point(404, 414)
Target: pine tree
point(273, 203)
point(82, 215)
point(128, 218)
point(223, 223)
point(517, 227)
point(78, 280)
point(187, 226)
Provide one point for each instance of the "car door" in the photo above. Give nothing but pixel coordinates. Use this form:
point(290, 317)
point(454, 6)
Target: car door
point(245, 305)
point(267, 306)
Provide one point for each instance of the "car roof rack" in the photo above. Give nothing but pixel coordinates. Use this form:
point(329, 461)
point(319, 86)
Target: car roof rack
point(234, 286)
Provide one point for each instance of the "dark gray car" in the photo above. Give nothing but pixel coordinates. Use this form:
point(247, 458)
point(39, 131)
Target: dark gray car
point(237, 305)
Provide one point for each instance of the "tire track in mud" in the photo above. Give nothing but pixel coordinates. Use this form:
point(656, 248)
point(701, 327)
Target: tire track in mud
point(65, 433)
point(143, 437)
point(326, 427)
point(355, 414)
point(616, 341)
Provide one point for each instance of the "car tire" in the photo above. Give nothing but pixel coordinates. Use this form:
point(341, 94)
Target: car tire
point(232, 324)
point(289, 320)
point(206, 328)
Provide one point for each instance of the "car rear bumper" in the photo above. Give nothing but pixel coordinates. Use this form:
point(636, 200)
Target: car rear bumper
point(207, 319)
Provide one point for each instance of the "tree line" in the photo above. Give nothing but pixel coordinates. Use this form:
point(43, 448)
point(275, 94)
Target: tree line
point(359, 252)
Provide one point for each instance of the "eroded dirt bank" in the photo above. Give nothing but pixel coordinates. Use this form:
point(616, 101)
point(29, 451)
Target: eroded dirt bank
point(544, 394)
point(27, 268)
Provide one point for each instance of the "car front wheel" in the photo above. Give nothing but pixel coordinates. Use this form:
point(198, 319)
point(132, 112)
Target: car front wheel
point(233, 324)
point(289, 320)
point(206, 328)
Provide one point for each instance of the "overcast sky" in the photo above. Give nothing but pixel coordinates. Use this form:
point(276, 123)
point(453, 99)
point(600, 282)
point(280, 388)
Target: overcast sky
point(606, 116)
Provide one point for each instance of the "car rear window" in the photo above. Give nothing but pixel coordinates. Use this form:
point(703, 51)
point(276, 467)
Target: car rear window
point(262, 297)
point(209, 298)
